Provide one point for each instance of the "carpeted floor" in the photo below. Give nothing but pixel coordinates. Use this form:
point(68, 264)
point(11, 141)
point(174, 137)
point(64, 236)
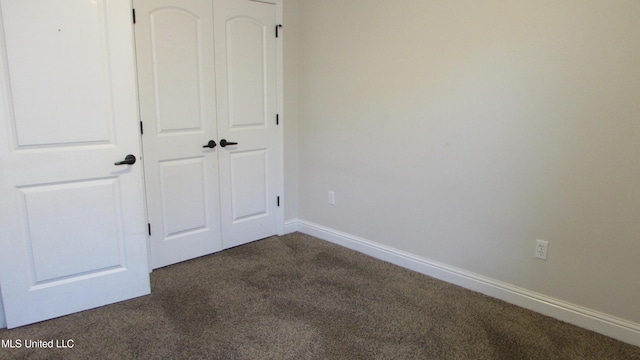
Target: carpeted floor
point(297, 297)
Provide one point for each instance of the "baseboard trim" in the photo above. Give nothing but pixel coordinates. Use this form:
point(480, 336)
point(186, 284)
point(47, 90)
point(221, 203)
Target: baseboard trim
point(605, 324)
point(291, 226)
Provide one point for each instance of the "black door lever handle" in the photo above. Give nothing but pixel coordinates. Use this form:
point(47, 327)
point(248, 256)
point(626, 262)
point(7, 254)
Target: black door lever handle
point(128, 160)
point(210, 145)
point(224, 143)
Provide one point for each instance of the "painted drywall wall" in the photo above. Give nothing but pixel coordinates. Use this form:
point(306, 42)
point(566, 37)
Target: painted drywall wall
point(290, 50)
point(462, 131)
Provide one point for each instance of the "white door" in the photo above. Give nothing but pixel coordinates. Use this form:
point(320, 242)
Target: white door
point(201, 199)
point(250, 172)
point(72, 223)
point(174, 48)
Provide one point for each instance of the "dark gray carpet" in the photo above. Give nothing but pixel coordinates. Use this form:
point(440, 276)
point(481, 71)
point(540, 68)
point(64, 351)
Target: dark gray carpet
point(297, 297)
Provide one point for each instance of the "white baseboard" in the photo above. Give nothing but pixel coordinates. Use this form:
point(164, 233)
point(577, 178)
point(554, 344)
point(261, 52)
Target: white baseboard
point(605, 324)
point(291, 226)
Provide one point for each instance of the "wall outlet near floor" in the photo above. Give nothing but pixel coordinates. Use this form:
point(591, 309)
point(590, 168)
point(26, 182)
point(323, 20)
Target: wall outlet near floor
point(541, 249)
point(332, 198)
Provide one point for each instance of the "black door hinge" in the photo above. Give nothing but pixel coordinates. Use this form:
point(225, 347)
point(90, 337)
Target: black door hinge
point(149, 226)
point(278, 27)
point(278, 201)
point(141, 129)
point(133, 12)
point(277, 119)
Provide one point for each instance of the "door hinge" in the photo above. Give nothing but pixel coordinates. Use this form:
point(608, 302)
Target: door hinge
point(278, 201)
point(141, 129)
point(277, 28)
point(149, 227)
point(133, 12)
point(277, 119)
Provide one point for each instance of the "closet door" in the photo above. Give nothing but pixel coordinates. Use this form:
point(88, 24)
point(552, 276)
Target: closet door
point(247, 109)
point(212, 149)
point(72, 224)
point(174, 45)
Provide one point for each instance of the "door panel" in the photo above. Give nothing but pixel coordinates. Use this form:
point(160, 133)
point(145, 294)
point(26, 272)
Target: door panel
point(247, 103)
point(249, 190)
point(184, 188)
point(58, 240)
point(176, 55)
point(246, 63)
point(174, 45)
point(72, 226)
point(43, 80)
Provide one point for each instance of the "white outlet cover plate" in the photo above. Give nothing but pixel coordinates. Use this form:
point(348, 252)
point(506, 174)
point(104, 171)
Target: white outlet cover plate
point(541, 249)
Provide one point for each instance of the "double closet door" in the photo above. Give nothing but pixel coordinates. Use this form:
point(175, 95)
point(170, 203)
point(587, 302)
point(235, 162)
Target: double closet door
point(208, 105)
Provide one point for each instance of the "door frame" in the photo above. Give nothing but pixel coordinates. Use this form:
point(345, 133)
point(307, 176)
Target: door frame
point(280, 108)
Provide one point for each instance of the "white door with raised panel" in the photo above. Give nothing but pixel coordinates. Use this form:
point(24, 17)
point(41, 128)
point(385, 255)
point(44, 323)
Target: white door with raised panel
point(211, 144)
point(174, 46)
point(250, 172)
point(72, 222)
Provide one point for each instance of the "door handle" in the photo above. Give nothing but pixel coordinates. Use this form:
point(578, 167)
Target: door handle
point(224, 143)
point(128, 160)
point(211, 144)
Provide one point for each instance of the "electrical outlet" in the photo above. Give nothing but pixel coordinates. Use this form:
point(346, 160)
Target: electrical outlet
point(332, 198)
point(541, 249)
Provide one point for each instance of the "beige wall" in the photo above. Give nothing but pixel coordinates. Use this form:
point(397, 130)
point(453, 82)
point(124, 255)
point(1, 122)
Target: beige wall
point(463, 130)
point(290, 118)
